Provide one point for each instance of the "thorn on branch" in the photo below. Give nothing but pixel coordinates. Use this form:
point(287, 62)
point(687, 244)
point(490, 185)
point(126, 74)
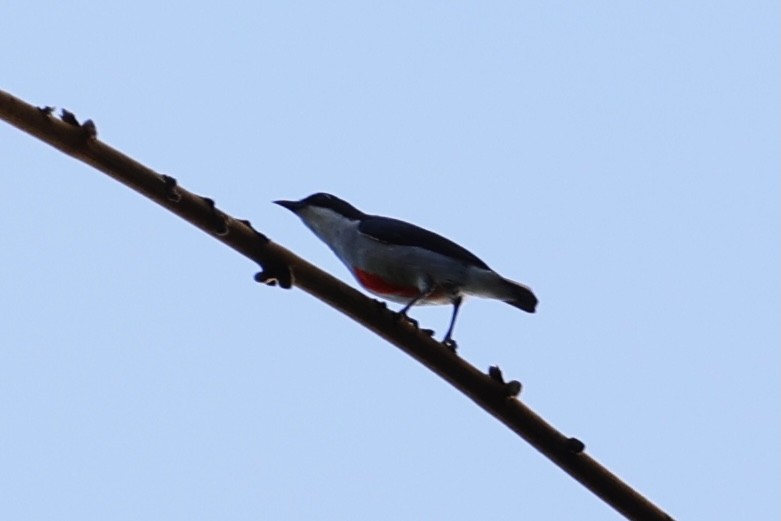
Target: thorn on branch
point(169, 186)
point(512, 388)
point(220, 223)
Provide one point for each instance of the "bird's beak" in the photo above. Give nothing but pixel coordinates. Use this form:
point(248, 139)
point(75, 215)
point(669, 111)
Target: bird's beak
point(293, 206)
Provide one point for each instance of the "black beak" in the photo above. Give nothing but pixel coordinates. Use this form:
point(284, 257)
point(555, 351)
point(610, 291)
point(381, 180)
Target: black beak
point(293, 206)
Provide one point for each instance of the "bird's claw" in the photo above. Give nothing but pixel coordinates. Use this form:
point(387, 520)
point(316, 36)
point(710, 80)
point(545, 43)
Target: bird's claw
point(404, 316)
point(450, 344)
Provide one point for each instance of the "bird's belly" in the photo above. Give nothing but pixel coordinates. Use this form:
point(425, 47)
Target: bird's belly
point(385, 287)
point(401, 274)
point(397, 292)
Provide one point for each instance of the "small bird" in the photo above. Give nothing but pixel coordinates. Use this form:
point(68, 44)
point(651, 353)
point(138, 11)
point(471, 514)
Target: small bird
point(402, 262)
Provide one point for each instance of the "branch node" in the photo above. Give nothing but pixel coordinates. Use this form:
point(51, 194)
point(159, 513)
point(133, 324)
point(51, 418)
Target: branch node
point(575, 446)
point(46, 111)
point(68, 117)
point(496, 374)
point(90, 129)
point(273, 274)
point(512, 388)
point(262, 238)
point(220, 223)
point(169, 187)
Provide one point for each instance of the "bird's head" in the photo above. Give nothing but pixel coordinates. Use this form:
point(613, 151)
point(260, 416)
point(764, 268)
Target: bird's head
point(321, 203)
point(324, 214)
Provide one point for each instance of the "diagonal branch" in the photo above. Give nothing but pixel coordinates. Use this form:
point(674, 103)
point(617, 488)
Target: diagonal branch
point(280, 265)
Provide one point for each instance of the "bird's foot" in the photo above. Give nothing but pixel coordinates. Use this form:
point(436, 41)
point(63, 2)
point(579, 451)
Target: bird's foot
point(403, 316)
point(450, 344)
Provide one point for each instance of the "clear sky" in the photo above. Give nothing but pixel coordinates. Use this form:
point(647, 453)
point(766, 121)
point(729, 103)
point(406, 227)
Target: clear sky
point(622, 158)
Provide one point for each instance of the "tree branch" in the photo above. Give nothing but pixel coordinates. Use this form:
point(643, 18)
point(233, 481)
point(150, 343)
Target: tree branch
point(281, 266)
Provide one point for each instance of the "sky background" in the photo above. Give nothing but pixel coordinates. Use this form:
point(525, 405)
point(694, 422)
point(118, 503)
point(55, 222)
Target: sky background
point(621, 158)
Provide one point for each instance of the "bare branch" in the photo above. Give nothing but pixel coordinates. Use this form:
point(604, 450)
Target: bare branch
point(280, 265)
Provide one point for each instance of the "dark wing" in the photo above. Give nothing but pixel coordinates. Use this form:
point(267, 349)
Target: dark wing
point(393, 231)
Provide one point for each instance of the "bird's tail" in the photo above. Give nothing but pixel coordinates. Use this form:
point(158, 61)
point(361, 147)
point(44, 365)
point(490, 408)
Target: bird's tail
point(489, 284)
point(520, 296)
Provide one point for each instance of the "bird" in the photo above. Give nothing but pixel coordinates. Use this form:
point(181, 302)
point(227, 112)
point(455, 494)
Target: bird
point(405, 263)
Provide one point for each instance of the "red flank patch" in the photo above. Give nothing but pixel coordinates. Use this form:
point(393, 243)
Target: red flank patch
point(379, 285)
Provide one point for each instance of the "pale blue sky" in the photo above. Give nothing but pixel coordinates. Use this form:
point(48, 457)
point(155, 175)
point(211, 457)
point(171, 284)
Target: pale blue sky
point(622, 158)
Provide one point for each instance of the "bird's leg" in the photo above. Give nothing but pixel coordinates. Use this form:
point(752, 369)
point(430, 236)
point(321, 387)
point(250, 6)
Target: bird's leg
point(427, 290)
point(418, 298)
point(448, 340)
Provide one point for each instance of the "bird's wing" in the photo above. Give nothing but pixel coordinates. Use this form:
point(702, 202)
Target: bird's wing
point(393, 231)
